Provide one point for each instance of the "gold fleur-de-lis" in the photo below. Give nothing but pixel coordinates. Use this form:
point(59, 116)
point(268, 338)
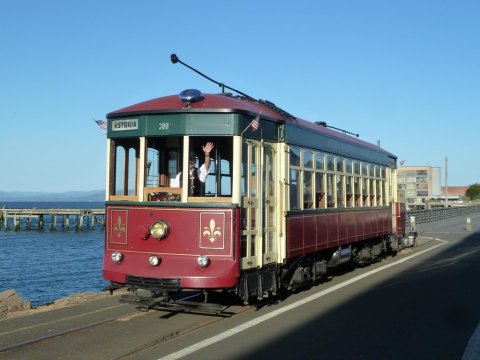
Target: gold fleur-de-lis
point(212, 232)
point(119, 228)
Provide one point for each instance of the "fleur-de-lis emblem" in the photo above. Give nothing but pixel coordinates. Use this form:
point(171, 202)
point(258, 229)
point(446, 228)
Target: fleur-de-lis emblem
point(119, 228)
point(212, 232)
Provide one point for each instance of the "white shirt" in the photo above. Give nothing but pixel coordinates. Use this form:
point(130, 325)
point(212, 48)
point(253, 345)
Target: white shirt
point(202, 174)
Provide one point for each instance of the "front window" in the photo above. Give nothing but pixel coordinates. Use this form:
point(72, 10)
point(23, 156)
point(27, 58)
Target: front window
point(163, 164)
point(213, 164)
point(153, 167)
point(210, 167)
point(163, 161)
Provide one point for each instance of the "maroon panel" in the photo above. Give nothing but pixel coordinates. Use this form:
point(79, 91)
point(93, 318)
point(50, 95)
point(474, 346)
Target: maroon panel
point(388, 221)
point(309, 233)
point(380, 223)
point(342, 228)
point(332, 224)
point(359, 225)
point(322, 232)
point(294, 236)
point(369, 224)
point(351, 219)
point(385, 222)
point(374, 224)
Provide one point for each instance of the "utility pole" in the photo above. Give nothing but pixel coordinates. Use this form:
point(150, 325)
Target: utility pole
point(446, 182)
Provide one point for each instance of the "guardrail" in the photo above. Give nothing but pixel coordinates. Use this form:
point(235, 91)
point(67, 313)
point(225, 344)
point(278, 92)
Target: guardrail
point(426, 216)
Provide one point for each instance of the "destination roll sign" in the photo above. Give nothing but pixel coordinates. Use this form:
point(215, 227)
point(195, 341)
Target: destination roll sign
point(124, 124)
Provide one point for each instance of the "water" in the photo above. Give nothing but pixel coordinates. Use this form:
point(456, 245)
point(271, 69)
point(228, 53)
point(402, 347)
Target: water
point(43, 266)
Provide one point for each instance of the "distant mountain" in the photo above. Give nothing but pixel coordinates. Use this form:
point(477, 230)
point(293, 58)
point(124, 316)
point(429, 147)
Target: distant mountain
point(93, 195)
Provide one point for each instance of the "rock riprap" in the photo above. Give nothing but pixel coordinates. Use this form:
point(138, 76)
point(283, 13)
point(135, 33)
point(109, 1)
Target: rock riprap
point(10, 301)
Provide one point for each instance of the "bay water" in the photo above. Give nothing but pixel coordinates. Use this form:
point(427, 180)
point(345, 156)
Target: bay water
point(43, 266)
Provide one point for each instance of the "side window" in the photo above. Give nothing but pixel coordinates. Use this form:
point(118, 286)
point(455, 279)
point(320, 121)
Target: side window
point(356, 183)
point(244, 170)
point(373, 200)
point(330, 163)
point(331, 185)
point(386, 192)
point(295, 179)
point(340, 182)
point(330, 190)
point(307, 179)
point(349, 190)
point(320, 190)
point(124, 159)
point(294, 157)
point(307, 189)
point(294, 189)
point(349, 182)
point(320, 200)
point(365, 185)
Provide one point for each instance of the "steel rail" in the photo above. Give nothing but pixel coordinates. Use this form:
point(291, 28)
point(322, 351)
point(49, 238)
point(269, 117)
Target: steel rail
point(62, 333)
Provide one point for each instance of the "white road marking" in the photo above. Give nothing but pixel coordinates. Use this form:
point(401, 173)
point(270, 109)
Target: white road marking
point(207, 342)
point(472, 352)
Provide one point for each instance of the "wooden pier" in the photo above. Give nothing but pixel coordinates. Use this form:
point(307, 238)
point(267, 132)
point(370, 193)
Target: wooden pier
point(51, 219)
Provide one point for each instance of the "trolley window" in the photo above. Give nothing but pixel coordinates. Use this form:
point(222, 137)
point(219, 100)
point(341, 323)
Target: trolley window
point(163, 163)
point(123, 168)
point(208, 172)
point(295, 180)
point(215, 163)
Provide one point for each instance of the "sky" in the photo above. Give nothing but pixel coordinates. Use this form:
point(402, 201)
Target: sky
point(404, 73)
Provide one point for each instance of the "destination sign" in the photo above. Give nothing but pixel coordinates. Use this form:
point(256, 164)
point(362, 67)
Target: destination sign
point(124, 124)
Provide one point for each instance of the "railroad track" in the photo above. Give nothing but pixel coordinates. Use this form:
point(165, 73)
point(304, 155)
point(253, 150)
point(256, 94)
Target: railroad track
point(164, 338)
point(61, 333)
point(42, 335)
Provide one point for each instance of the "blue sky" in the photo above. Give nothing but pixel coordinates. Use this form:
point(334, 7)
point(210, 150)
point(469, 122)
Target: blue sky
point(406, 73)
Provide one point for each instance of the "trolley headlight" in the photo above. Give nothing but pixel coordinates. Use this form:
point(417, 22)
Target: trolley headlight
point(203, 261)
point(159, 229)
point(154, 260)
point(117, 257)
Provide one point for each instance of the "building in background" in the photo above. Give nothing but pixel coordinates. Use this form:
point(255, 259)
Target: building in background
point(456, 194)
point(421, 184)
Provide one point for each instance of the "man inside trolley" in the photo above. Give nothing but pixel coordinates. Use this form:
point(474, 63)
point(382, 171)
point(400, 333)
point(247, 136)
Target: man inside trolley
point(197, 174)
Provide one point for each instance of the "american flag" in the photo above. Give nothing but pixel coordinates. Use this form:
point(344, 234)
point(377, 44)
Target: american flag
point(402, 162)
point(102, 124)
point(255, 123)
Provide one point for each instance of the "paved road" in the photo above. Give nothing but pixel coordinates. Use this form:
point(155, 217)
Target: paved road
point(420, 304)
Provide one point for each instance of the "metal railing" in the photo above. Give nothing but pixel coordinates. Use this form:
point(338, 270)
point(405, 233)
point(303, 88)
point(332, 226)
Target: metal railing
point(426, 216)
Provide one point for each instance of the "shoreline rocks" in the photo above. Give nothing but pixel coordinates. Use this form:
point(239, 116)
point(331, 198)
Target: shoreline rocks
point(10, 302)
point(12, 305)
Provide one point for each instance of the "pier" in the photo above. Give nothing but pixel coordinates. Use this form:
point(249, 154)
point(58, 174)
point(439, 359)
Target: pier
point(51, 219)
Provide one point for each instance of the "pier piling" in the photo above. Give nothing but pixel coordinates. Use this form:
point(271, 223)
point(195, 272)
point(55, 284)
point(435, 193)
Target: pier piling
point(42, 219)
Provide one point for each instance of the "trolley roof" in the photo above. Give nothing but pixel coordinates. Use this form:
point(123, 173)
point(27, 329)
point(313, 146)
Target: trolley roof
point(207, 103)
point(227, 103)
